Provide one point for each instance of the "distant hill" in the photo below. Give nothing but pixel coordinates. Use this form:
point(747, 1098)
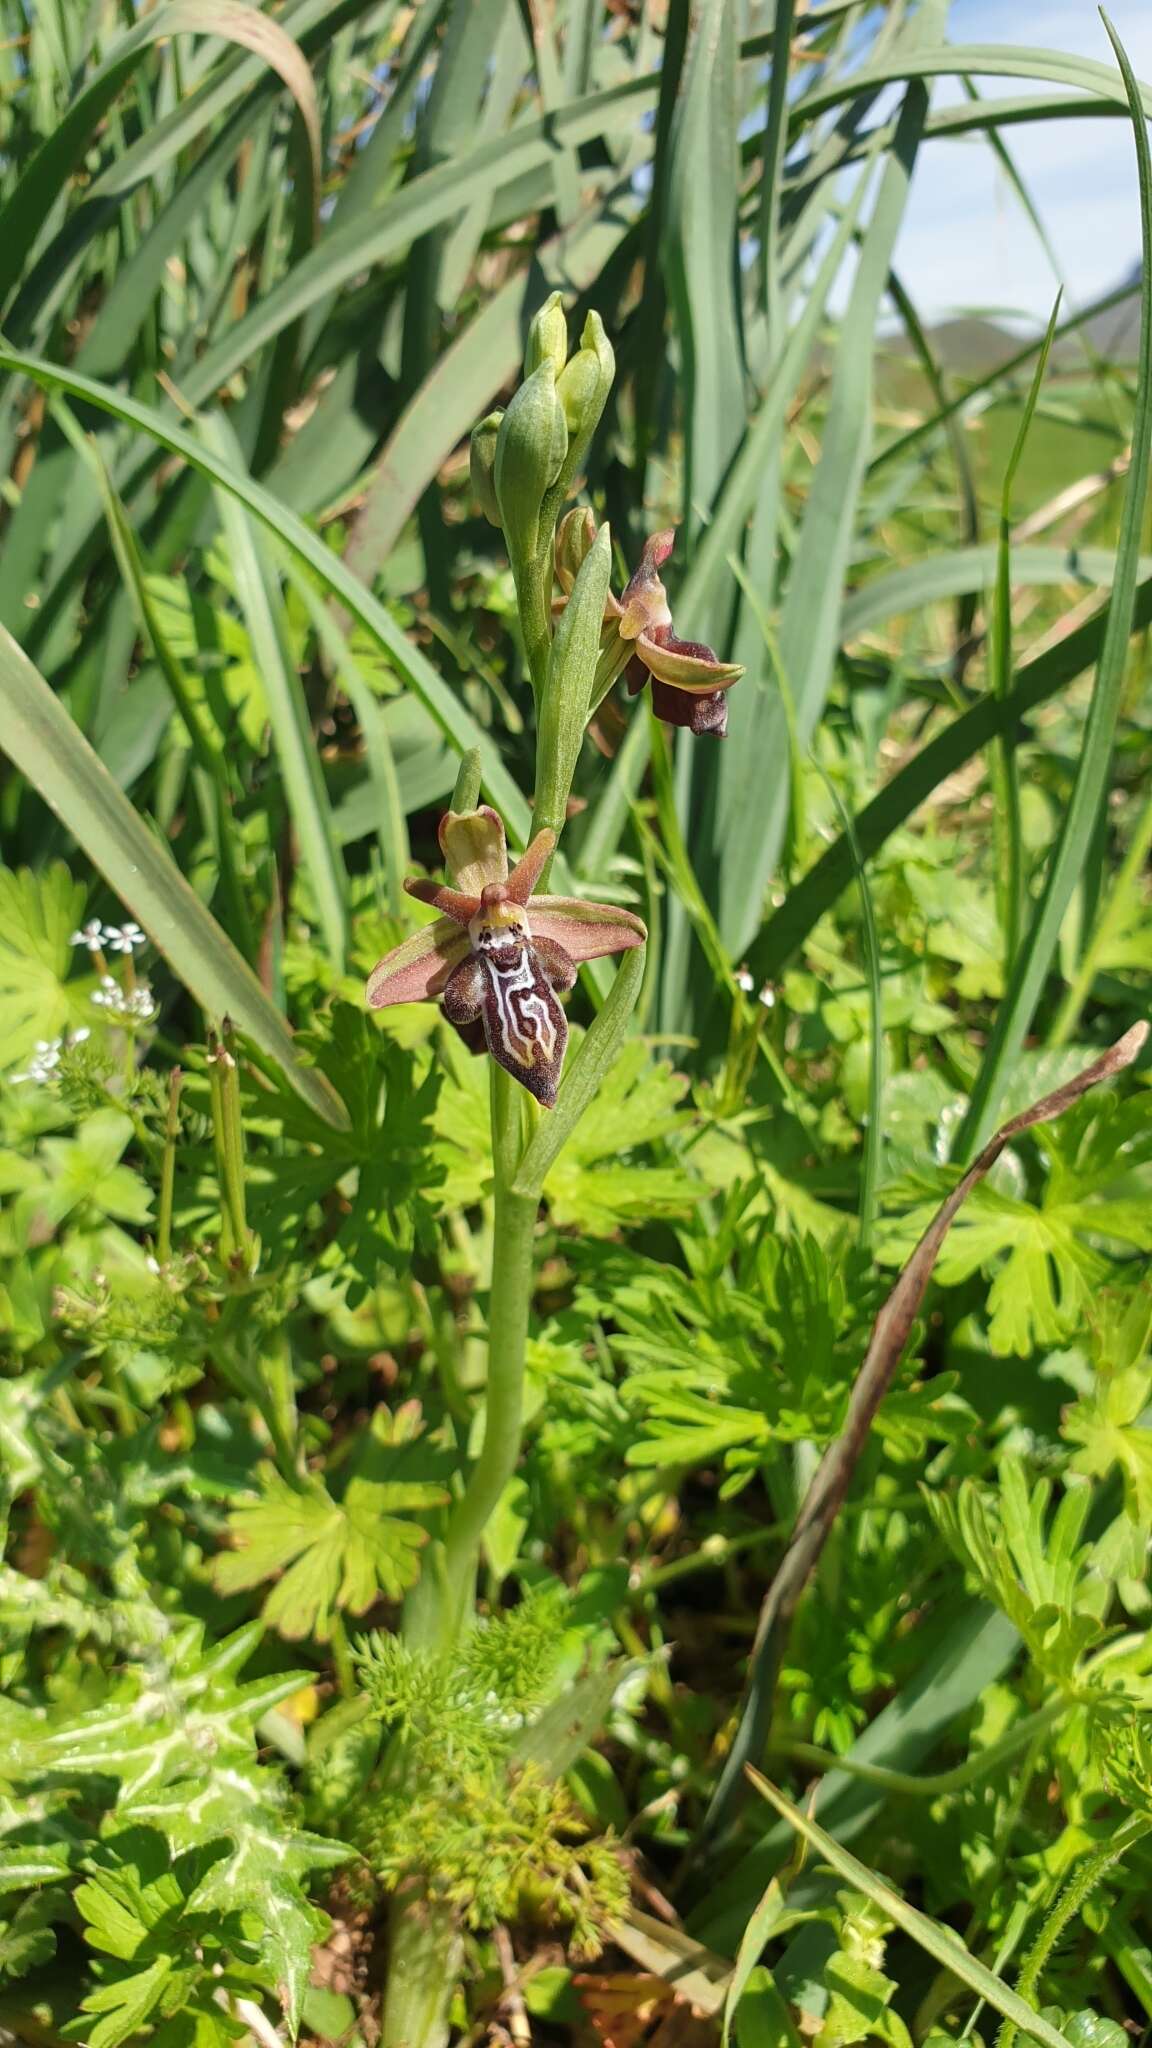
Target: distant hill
point(973, 345)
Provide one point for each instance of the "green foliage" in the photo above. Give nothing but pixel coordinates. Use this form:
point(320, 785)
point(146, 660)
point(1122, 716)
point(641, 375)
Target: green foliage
point(38, 914)
point(1038, 1571)
point(262, 272)
point(331, 1555)
point(1049, 1258)
point(457, 1809)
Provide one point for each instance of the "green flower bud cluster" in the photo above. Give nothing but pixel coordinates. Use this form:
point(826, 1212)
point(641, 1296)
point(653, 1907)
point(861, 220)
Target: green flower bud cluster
point(524, 460)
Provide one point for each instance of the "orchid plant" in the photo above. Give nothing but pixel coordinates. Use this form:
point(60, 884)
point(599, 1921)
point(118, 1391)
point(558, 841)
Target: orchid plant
point(502, 951)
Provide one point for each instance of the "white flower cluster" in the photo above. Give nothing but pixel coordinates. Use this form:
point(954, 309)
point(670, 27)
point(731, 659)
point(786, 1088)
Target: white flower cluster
point(109, 938)
point(46, 1056)
point(132, 1005)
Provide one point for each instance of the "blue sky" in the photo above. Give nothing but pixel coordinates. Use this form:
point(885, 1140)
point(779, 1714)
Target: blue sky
point(965, 243)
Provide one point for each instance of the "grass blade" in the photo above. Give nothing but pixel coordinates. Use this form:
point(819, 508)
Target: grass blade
point(935, 577)
point(45, 745)
point(945, 1947)
point(456, 723)
point(33, 198)
point(259, 595)
point(1005, 777)
point(1036, 683)
point(808, 623)
point(1031, 969)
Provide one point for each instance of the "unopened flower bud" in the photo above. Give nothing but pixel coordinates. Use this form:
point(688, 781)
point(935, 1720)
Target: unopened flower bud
point(482, 464)
point(548, 336)
point(583, 385)
point(530, 448)
point(574, 537)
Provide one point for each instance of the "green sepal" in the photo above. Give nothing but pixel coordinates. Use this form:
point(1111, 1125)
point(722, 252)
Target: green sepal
point(574, 537)
point(530, 449)
point(582, 389)
point(571, 672)
point(548, 336)
point(466, 794)
point(482, 466)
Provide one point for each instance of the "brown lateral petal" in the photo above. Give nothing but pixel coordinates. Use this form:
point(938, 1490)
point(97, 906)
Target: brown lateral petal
point(558, 965)
point(530, 866)
point(585, 931)
point(449, 902)
point(416, 971)
point(463, 999)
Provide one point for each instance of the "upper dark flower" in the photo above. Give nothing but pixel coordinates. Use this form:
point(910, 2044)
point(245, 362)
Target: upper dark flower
point(688, 679)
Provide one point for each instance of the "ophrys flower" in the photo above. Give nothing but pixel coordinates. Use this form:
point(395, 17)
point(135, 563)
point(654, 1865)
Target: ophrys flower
point(498, 955)
point(688, 679)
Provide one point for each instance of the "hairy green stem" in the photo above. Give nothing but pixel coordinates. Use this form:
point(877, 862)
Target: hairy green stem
point(512, 1232)
point(1068, 1905)
point(424, 1953)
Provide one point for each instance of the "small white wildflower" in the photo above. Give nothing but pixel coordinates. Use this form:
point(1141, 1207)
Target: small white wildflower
point(767, 996)
point(137, 1005)
point(124, 938)
point(90, 935)
point(744, 981)
point(45, 1059)
point(152, 1264)
point(78, 1037)
point(109, 995)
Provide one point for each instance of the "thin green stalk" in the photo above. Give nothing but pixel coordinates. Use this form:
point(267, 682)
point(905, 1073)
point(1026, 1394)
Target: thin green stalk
point(873, 1152)
point(532, 600)
point(228, 1142)
point(1005, 767)
point(168, 1170)
point(1106, 928)
point(228, 1240)
point(342, 1659)
point(934, 1784)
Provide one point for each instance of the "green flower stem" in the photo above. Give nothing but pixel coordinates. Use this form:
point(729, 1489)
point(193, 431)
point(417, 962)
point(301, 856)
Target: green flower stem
point(424, 1955)
point(533, 588)
point(1070, 1902)
point(512, 1233)
point(168, 1170)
